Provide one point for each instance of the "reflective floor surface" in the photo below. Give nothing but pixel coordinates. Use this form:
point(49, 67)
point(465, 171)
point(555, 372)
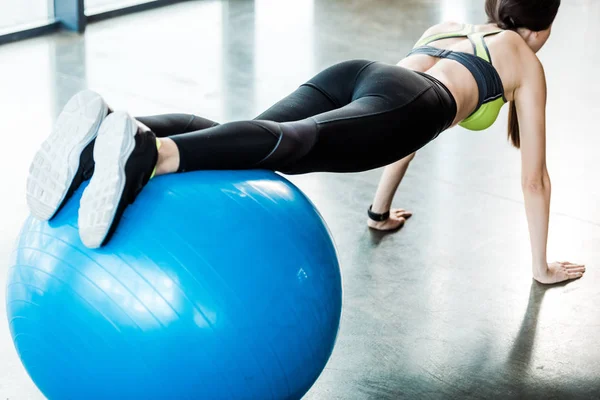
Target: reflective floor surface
point(445, 308)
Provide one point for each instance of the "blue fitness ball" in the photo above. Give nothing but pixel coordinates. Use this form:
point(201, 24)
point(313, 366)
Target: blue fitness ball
point(216, 285)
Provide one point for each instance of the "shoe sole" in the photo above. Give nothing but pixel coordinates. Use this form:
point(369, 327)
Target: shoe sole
point(99, 202)
point(57, 161)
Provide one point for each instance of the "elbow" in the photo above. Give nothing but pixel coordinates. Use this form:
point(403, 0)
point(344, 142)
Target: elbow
point(536, 185)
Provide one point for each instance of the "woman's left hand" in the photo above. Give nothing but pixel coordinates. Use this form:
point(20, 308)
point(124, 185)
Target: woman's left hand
point(398, 217)
point(559, 272)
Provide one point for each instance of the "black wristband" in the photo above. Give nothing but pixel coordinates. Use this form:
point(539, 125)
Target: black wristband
point(378, 217)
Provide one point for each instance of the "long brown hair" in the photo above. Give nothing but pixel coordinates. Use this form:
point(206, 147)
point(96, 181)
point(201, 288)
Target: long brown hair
point(535, 15)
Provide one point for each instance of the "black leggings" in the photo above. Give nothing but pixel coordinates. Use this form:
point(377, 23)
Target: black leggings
point(353, 116)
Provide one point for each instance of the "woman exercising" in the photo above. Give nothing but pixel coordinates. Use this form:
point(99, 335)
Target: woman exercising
point(353, 116)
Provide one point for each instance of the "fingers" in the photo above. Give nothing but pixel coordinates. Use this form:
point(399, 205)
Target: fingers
point(573, 271)
point(570, 266)
point(569, 263)
point(574, 275)
point(401, 213)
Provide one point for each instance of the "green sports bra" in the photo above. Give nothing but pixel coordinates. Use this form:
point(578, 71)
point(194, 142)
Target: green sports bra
point(491, 90)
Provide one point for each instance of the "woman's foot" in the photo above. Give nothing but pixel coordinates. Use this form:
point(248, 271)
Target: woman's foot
point(65, 159)
point(126, 157)
point(395, 221)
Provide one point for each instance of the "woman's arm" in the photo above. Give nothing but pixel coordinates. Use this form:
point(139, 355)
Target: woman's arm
point(530, 100)
point(390, 180)
point(393, 173)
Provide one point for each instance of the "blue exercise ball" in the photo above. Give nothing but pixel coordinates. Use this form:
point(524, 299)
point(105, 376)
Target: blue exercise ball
point(216, 285)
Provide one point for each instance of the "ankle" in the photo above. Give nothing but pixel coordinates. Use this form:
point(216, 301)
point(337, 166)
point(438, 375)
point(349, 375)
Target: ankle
point(168, 157)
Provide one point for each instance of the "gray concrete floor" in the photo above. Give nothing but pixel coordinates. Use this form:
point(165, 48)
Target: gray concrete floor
point(445, 308)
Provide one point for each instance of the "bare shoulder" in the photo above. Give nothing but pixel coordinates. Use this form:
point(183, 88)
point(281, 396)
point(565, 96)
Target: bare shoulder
point(532, 70)
point(526, 68)
point(515, 43)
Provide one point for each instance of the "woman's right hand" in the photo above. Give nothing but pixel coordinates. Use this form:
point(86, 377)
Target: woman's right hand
point(398, 217)
point(559, 272)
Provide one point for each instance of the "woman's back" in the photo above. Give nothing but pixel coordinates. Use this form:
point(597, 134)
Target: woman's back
point(510, 56)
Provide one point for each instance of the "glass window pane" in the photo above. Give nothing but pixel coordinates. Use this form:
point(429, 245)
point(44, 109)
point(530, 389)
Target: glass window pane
point(16, 15)
point(98, 6)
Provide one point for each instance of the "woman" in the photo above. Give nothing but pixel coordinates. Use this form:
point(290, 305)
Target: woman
point(354, 116)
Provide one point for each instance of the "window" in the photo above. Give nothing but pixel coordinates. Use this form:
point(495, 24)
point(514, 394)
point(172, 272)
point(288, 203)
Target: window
point(99, 6)
point(17, 15)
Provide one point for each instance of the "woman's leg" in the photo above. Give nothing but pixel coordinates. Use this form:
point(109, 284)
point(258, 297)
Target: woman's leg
point(392, 112)
point(128, 155)
point(245, 144)
point(241, 145)
point(302, 103)
point(382, 116)
point(308, 100)
point(174, 124)
point(256, 145)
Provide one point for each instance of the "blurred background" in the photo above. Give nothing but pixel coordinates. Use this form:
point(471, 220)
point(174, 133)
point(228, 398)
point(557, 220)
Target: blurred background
point(444, 308)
